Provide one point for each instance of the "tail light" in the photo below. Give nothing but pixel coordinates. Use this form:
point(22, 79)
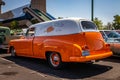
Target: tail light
point(85, 47)
point(107, 45)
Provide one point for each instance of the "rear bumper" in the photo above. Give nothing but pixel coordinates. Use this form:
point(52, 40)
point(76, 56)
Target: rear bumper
point(91, 57)
point(3, 46)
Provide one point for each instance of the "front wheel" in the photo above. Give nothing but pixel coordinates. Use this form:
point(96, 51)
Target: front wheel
point(13, 52)
point(54, 60)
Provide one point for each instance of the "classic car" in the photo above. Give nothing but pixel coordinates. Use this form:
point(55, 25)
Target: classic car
point(112, 37)
point(63, 40)
point(5, 37)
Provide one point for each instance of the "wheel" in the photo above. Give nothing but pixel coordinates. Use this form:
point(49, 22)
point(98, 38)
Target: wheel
point(13, 52)
point(54, 60)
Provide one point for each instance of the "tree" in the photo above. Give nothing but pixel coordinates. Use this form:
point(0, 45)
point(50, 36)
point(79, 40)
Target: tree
point(14, 24)
point(98, 23)
point(34, 21)
point(116, 22)
point(109, 26)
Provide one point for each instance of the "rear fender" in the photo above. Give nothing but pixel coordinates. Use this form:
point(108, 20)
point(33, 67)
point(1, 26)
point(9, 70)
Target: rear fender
point(65, 49)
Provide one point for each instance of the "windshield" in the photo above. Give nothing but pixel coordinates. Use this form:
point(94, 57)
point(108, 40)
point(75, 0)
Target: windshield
point(87, 25)
point(2, 31)
point(112, 34)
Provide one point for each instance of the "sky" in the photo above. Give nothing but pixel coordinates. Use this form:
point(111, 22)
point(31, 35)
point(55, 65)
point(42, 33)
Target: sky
point(103, 9)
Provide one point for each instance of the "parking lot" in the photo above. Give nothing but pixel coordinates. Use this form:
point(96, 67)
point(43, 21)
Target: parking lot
point(21, 68)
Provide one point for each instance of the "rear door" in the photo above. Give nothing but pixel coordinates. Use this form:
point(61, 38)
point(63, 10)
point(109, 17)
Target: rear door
point(94, 39)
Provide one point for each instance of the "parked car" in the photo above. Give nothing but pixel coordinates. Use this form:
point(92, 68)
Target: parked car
point(64, 40)
point(113, 38)
point(5, 37)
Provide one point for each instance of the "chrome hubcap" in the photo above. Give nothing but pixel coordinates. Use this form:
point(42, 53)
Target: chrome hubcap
point(54, 59)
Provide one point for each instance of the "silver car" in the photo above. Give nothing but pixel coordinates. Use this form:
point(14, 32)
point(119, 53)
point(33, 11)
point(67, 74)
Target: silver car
point(112, 37)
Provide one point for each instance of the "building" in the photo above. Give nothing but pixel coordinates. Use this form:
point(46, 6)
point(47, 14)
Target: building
point(1, 3)
point(26, 15)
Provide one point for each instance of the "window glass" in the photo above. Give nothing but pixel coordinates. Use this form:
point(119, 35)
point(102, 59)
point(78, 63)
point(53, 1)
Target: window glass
point(113, 34)
point(44, 29)
point(103, 35)
point(30, 32)
point(86, 25)
point(2, 31)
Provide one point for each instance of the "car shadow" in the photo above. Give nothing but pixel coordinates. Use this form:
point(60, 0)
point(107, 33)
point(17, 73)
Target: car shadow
point(115, 59)
point(2, 51)
point(71, 71)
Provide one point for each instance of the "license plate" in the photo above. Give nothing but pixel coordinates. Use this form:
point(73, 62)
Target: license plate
point(85, 53)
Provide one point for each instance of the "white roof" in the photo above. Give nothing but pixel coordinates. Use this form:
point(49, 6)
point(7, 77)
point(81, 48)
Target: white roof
point(73, 19)
point(57, 27)
point(60, 27)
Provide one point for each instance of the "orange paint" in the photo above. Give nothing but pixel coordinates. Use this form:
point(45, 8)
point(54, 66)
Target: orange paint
point(49, 29)
point(76, 47)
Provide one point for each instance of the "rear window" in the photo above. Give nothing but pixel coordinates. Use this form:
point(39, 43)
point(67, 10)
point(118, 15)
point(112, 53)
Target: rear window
point(87, 25)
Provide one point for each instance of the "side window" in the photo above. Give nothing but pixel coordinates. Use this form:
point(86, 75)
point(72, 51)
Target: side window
point(44, 29)
point(30, 32)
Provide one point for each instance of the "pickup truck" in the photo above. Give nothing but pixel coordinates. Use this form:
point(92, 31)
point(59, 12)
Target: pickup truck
point(63, 40)
point(5, 37)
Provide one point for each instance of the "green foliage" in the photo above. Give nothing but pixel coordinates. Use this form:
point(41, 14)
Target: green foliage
point(34, 21)
point(116, 22)
point(14, 24)
point(109, 26)
point(98, 23)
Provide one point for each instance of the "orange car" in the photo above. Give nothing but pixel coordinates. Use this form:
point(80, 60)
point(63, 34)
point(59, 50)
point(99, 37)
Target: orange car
point(64, 40)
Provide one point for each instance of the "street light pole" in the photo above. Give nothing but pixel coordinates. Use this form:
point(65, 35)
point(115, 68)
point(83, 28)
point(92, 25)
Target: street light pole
point(1, 3)
point(92, 10)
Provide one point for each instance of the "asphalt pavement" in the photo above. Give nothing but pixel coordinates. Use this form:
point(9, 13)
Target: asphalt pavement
point(22, 68)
